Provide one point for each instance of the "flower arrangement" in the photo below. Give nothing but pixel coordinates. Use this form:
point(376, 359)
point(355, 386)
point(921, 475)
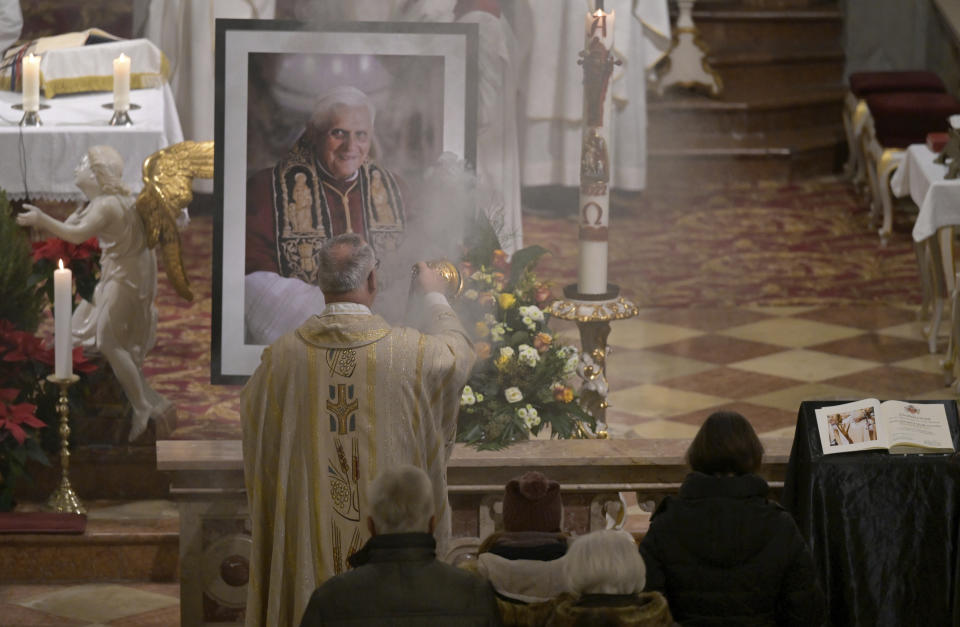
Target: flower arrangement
point(27, 401)
point(520, 383)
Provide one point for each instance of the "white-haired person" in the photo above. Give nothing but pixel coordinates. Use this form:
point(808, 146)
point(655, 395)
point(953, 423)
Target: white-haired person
point(396, 578)
point(605, 574)
point(325, 185)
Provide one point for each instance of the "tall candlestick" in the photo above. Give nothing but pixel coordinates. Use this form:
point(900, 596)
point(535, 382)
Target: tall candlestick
point(31, 83)
point(62, 312)
point(598, 62)
point(121, 83)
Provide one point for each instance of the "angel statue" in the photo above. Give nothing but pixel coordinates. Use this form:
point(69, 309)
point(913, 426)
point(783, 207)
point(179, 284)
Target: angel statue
point(121, 322)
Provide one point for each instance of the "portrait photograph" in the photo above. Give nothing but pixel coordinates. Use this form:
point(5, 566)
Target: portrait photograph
point(322, 131)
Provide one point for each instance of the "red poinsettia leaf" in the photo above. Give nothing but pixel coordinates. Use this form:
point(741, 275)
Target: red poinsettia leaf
point(18, 433)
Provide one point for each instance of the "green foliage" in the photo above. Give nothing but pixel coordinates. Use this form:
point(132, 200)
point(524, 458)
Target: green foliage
point(22, 303)
point(521, 381)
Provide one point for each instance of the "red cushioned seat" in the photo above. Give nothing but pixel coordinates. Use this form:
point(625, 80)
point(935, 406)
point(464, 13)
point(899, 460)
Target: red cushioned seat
point(864, 83)
point(901, 119)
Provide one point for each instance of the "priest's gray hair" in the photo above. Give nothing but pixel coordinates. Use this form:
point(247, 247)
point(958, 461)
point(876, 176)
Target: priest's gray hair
point(345, 263)
point(329, 102)
point(401, 500)
point(604, 562)
point(107, 166)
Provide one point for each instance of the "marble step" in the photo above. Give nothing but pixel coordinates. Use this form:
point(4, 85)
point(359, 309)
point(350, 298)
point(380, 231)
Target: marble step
point(682, 110)
point(123, 541)
point(744, 72)
point(731, 26)
point(717, 158)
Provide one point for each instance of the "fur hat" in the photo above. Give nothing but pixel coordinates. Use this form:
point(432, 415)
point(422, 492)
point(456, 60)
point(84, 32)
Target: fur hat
point(532, 503)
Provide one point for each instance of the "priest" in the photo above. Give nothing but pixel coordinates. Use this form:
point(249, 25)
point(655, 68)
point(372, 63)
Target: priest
point(332, 404)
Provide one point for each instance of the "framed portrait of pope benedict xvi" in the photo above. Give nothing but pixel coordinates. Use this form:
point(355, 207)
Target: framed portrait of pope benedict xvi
point(321, 130)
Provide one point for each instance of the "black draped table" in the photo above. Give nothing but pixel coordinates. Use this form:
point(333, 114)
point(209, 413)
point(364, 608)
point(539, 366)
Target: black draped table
point(884, 529)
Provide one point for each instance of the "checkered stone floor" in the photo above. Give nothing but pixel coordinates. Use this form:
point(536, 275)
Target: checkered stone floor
point(669, 369)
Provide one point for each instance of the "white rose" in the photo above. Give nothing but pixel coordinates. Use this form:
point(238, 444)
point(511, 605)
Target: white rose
point(506, 352)
point(513, 395)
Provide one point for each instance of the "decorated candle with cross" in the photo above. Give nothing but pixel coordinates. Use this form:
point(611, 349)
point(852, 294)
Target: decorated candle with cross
point(597, 60)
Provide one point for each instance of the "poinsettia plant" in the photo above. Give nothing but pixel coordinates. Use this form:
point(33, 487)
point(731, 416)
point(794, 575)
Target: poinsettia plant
point(27, 400)
point(521, 382)
point(82, 259)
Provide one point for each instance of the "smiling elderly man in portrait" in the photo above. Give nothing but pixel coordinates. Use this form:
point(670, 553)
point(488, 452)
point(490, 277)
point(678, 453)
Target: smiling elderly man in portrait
point(325, 185)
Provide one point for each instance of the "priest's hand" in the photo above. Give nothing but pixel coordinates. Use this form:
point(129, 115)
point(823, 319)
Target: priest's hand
point(429, 280)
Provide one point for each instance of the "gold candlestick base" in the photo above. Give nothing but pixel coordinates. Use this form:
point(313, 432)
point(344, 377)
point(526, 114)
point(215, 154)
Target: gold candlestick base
point(593, 314)
point(64, 499)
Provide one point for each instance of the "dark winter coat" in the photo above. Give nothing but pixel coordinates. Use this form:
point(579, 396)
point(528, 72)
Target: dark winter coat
point(397, 580)
point(647, 609)
point(725, 555)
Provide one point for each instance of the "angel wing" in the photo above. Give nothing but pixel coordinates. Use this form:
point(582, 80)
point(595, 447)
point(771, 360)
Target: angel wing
point(167, 178)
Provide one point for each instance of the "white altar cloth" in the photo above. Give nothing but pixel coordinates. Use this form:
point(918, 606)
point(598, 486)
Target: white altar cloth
point(922, 179)
point(72, 125)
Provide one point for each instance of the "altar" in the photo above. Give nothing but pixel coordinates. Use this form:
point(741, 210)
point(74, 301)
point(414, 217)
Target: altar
point(41, 159)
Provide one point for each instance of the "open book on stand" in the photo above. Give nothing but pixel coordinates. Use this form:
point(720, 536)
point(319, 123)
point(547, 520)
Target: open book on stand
point(892, 425)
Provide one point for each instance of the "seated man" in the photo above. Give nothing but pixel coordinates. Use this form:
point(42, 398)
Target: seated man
point(396, 578)
point(324, 186)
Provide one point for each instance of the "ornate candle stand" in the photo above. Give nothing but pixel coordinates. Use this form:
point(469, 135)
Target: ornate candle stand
point(593, 314)
point(64, 499)
point(688, 65)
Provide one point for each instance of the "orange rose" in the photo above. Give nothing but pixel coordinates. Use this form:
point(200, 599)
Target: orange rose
point(486, 298)
point(563, 393)
point(500, 260)
point(482, 349)
point(542, 341)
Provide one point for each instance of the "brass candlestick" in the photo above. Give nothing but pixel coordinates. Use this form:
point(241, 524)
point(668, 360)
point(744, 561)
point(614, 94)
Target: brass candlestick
point(593, 314)
point(64, 499)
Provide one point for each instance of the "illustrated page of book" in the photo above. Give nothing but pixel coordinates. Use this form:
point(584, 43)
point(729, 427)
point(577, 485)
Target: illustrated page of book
point(851, 427)
point(922, 425)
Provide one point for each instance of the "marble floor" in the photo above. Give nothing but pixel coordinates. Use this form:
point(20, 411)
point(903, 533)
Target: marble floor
point(669, 369)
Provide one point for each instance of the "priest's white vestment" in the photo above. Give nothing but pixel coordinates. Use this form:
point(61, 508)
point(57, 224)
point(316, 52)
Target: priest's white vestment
point(331, 405)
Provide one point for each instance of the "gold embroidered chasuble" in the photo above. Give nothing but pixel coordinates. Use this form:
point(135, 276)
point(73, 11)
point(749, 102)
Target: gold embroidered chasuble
point(331, 405)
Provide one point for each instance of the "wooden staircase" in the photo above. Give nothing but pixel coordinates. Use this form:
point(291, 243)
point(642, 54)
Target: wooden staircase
point(779, 115)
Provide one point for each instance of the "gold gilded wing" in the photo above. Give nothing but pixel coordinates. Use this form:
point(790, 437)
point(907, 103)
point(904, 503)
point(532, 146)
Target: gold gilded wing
point(167, 178)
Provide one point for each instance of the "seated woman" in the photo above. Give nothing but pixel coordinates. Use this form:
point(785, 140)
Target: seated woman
point(720, 551)
point(522, 561)
point(606, 574)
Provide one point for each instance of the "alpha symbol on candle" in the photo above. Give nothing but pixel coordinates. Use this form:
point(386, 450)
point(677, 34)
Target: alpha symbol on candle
point(599, 21)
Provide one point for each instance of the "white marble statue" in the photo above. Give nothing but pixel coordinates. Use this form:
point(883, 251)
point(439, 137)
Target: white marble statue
point(121, 322)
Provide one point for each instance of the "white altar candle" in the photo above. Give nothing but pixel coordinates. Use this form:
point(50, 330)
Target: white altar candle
point(121, 83)
point(62, 312)
point(595, 160)
point(31, 82)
